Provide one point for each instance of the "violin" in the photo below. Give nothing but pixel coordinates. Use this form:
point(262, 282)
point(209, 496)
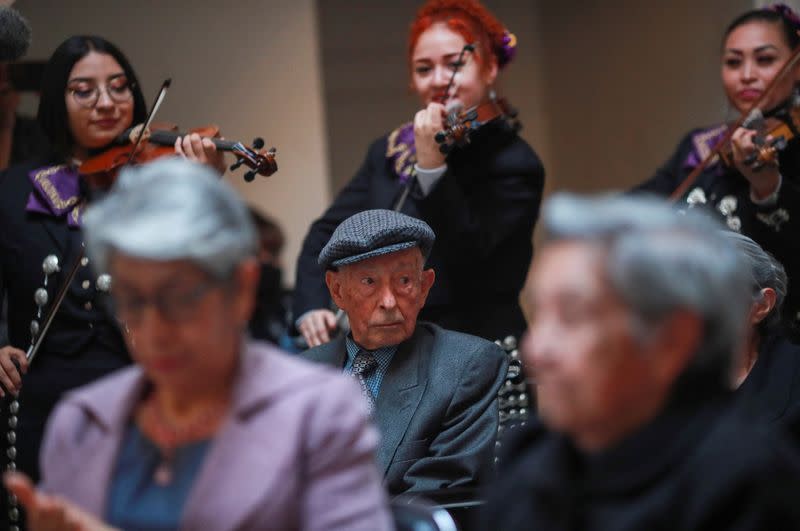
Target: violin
point(780, 125)
point(101, 169)
point(782, 130)
point(460, 124)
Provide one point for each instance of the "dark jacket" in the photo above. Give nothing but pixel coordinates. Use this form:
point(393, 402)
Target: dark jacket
point(700, 465)
point(772, 389)
point(436, 410)
point(725, 192)
point(84, 342)
point(482, 210)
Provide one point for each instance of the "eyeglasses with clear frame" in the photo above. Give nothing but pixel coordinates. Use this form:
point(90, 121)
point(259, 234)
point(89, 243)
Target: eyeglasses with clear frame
point(119, 90)
point(172, 307)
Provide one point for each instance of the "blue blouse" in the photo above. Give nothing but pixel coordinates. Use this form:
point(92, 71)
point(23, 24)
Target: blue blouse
point(136, 500)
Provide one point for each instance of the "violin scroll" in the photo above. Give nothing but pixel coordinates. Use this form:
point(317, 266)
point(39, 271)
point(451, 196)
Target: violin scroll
point(260, 161)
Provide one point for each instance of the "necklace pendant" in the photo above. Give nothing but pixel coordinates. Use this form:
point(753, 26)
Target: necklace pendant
point(163, 474)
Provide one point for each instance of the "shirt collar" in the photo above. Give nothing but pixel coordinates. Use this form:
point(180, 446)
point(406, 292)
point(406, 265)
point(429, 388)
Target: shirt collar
point(382, 355)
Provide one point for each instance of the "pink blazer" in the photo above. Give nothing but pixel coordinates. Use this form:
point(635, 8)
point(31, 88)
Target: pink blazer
point(296, 451)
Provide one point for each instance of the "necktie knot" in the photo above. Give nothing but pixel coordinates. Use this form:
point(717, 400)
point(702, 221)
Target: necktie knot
point(364, 363)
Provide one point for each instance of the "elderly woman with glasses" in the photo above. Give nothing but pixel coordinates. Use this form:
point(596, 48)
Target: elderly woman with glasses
point(209, 430)
point(90, 95)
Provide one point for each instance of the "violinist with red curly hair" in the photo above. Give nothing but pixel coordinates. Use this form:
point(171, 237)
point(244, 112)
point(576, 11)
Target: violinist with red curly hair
point(481, 199)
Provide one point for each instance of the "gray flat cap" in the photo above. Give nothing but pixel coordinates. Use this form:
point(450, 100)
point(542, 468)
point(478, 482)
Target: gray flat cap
point(375, 233)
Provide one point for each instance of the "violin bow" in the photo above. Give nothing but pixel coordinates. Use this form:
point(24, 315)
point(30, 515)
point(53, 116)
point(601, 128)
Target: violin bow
point(692, 177)
point(469, 47)
point(162, 93)
point(62, 293)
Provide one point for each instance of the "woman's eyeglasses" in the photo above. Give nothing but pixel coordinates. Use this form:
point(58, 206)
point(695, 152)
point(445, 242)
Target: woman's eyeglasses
point(172, 306)
point(118, 92)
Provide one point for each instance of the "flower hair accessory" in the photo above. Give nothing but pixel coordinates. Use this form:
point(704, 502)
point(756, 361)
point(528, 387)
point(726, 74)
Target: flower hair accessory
point(787, 13)
point(507, 49)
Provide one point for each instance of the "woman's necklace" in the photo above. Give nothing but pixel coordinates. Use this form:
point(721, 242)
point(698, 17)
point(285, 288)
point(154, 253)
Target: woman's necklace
point(168, 435)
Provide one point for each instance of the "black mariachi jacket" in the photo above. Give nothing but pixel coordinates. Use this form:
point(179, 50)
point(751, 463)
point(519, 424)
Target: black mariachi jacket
point(726, 192)
point(84, 342)
point(482, 210)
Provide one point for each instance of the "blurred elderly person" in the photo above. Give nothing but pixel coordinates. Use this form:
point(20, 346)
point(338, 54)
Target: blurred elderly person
point(208, 430)
point(768, 376)
point(433, 392)
point(636, 320)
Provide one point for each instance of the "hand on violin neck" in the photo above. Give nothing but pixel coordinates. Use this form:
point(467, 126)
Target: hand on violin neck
point(202, 150)
point(427, 123)
point(764, 176)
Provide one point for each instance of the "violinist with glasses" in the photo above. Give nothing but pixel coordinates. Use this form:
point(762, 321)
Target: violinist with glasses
point(481, 198)
point(90, 95)
point(747, 175)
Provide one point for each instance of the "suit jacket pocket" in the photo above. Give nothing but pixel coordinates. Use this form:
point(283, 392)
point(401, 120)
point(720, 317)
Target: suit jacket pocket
point(411, 450)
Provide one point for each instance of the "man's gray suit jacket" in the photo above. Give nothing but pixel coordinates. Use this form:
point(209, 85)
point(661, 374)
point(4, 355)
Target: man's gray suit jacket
point(436, 409)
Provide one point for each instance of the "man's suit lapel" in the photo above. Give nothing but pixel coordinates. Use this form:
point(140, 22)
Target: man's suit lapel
point(400, 394)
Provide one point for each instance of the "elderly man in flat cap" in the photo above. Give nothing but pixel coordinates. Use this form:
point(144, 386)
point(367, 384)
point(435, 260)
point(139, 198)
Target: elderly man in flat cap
point(432, 392)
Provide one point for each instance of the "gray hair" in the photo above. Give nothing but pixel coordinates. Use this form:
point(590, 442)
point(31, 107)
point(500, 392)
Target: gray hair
point(659, 261)
point(765, 272)
point(171, 209)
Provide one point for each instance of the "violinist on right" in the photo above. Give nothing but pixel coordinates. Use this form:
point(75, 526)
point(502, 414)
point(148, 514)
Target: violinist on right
point(760, 201)
point(481, 200)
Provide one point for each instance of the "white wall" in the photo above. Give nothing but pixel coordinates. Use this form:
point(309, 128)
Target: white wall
point(250, 66)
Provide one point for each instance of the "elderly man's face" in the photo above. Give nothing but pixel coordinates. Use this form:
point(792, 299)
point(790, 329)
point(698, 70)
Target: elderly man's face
point(593, 377)
point(382, 296)
point(183, 327)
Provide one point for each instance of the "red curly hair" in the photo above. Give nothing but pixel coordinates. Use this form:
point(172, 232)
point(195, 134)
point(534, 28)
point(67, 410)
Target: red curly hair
point(469, 19)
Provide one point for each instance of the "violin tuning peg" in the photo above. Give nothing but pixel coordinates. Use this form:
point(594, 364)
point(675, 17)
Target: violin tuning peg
point(235, 165)
point(440, 137)
point(249, 176)
point(258, 142)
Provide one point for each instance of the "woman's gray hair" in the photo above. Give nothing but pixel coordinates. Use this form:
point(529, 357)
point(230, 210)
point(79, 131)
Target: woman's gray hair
point(765, 272)
point(660, 261)
point(171, 209)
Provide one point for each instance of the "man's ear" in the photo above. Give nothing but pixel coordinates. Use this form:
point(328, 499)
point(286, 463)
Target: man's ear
point(761, 308)
point(428, 277)
point(334, 281)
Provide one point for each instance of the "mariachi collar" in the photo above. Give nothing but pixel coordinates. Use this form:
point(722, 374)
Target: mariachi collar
point(57, 192)
point(703, 143)
point(401, 151)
